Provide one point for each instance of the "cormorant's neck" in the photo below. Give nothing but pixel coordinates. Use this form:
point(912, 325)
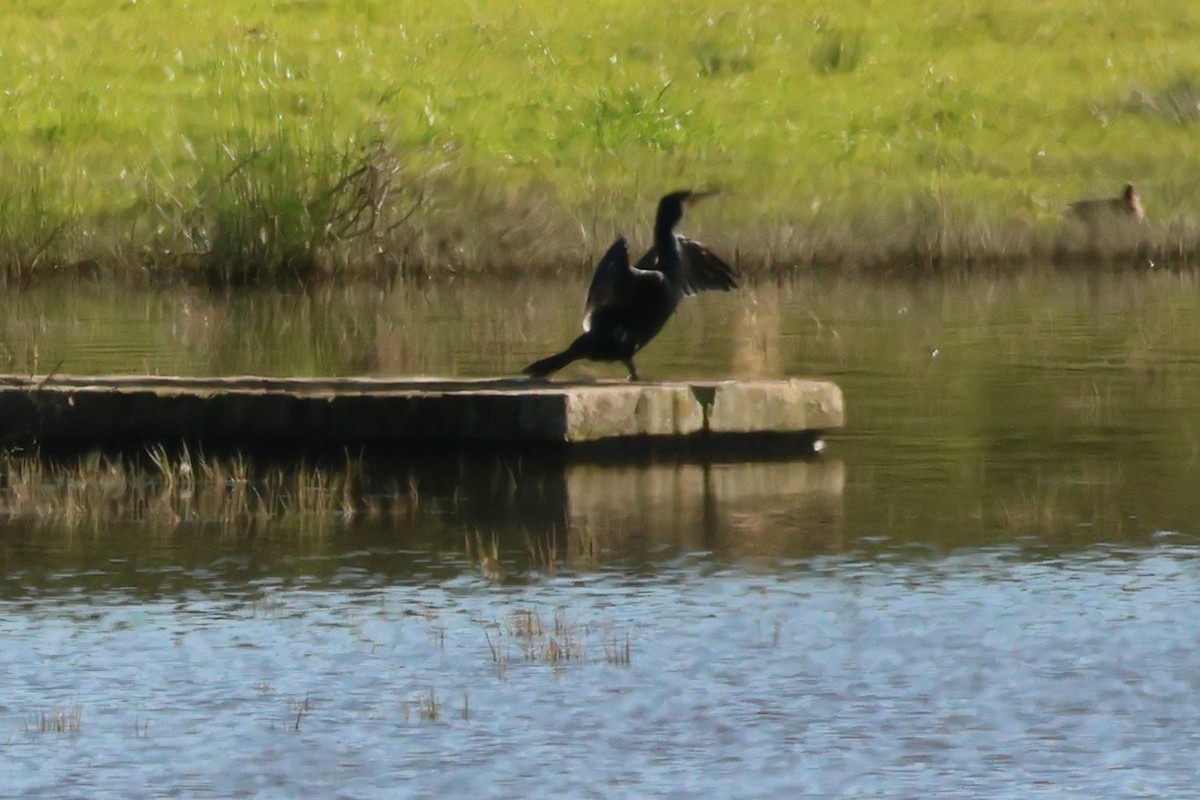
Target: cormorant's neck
point(664, 228)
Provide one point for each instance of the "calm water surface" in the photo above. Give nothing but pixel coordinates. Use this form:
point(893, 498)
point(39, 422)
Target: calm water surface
point(987, 587)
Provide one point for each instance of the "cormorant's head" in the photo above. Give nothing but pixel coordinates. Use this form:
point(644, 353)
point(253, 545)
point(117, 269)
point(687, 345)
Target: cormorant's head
point(671, 207)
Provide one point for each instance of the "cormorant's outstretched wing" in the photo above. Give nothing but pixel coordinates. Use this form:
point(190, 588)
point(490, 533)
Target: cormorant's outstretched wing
point(700, 269)
point(703, 269)
point(610, 281)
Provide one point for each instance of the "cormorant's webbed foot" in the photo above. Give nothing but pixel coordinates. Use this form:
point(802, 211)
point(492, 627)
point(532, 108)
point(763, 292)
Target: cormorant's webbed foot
point(633, 376)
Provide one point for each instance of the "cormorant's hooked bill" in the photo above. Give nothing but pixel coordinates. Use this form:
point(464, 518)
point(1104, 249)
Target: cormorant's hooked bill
point(628, 305)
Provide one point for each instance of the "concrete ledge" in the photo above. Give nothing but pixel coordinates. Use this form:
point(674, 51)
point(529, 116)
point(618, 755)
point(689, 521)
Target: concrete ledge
point(250, 409)
point(775, 407)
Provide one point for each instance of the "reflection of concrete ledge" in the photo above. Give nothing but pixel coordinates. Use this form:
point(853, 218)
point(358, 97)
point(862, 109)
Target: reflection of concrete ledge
point(774, 508)
point(81, 410)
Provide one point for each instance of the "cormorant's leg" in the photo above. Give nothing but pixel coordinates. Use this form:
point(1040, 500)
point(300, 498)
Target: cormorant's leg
point(633, 376)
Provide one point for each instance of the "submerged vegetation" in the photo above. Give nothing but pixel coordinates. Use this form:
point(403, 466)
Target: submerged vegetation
point(57, 720)
point(560, 642)
point(239, 142)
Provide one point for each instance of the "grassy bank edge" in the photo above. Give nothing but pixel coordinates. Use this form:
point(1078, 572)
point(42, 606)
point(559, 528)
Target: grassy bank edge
point(270, 209)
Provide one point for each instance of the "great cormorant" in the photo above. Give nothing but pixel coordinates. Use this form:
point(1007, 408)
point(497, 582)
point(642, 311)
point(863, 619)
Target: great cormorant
point(628, 305)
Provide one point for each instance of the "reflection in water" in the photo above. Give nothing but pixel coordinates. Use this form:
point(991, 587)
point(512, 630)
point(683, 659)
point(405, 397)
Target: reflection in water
point(757, 342)
point(1040, 404)
point(1044, 407)
point(986, 588)
point(154, 529)
point(774, 510)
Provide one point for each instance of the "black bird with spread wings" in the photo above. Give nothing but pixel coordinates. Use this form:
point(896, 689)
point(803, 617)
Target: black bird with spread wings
point(628, 305)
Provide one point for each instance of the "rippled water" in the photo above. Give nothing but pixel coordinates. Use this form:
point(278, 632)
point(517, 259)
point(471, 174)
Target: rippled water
point(986, 588)
point(975, 675)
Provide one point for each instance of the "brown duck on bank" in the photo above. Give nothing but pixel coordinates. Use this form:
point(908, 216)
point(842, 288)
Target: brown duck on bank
point(1125, 206)
point(628, 305)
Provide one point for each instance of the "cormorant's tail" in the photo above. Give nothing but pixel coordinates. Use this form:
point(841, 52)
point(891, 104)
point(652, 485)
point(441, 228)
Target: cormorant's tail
point(554, 363)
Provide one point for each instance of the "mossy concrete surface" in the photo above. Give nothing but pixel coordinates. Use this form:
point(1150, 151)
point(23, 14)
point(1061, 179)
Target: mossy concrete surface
point(61, 409)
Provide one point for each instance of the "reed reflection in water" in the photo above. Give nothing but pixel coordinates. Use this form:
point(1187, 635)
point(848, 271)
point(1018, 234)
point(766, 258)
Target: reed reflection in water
point(412, 520)
point(971, 400)
point(985, 588)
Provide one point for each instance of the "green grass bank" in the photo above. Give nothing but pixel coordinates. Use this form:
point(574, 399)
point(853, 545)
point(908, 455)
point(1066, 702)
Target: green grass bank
point(241, 141)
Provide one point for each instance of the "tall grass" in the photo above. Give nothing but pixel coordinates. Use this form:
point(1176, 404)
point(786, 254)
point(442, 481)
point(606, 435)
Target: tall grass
point(36, 228)
point(229, 138)
point(284, 209)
